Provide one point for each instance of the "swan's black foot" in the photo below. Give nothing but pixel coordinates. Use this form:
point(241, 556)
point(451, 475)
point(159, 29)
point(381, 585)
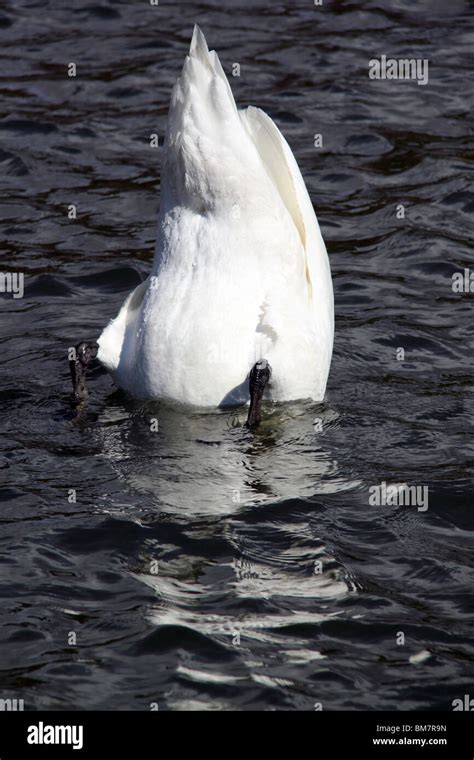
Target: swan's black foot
point(85, 353)
point(258, 378)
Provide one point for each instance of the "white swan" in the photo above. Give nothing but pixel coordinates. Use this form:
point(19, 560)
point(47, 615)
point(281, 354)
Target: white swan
point(240, 273)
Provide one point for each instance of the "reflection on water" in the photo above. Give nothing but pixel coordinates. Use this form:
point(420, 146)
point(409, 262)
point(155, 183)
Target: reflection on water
point(202, 566)
point(192, 467)
point(192, 463)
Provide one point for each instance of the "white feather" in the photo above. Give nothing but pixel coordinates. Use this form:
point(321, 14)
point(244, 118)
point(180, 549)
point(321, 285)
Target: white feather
point(240, 270)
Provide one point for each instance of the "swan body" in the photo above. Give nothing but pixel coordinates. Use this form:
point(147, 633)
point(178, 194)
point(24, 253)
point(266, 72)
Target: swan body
point(240, 271)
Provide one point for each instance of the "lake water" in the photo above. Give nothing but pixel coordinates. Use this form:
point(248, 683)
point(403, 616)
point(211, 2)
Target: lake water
point(202, 566)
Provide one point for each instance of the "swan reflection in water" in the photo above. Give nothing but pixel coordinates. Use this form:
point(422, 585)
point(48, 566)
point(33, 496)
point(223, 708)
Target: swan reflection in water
point(222, 506)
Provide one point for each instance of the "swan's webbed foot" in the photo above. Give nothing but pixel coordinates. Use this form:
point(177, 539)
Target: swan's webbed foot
point(258, 378)
point(85, 353)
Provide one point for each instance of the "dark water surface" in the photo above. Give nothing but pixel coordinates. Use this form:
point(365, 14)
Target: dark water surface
point(236, 522)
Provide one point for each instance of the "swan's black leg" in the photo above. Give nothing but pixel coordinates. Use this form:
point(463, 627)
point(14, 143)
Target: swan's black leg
point(258, 378)
point(85, 353)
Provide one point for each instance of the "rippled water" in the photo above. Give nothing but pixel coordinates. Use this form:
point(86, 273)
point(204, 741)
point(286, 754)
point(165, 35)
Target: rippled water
point(188, 566)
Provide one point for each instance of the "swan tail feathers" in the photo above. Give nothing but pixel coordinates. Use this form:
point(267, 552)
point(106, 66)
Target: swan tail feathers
point(198, 49)
point(202, 96)
point(203, 127)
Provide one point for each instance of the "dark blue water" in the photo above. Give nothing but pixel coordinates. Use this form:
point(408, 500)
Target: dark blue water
point(202, 566)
